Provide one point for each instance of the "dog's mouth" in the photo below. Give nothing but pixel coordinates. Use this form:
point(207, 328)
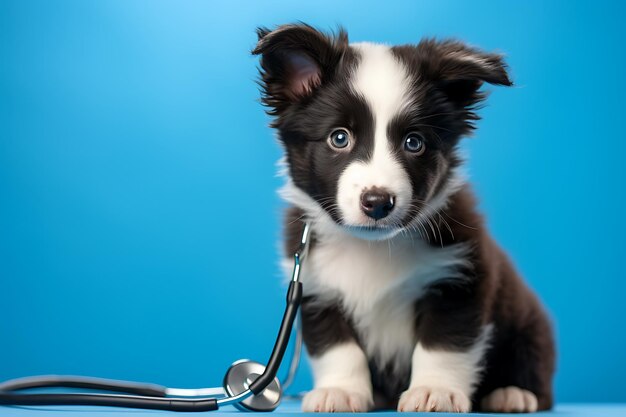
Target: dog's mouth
point(372, 232)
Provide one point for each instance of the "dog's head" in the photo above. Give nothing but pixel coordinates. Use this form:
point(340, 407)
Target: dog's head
point(370, 131)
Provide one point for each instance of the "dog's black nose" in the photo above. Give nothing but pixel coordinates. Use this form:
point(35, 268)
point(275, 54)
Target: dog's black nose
point(376, 203)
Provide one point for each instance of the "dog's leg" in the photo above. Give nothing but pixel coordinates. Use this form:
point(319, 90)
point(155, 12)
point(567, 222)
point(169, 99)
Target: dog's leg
point(452, 342)
point(443, 380)
point(342, 381)
point(340, 368)
point(518, 378)
point(510, 400)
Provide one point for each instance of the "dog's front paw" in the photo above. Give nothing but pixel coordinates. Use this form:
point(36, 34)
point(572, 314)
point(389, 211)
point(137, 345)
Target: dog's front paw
point(510, 400)
point(434, 399)
point(331, 400)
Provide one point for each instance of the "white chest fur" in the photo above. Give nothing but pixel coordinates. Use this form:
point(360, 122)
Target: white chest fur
point(377, 284)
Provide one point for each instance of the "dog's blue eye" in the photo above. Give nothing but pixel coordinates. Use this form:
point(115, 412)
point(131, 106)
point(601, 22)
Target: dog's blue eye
point(339, 138)
point(414, 143)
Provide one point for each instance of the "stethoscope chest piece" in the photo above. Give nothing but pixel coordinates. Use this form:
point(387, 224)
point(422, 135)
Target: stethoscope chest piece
point(239, 377)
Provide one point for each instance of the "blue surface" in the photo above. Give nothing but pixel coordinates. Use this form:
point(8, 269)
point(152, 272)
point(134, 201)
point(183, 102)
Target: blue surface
point(138, 218)
point(292, 407)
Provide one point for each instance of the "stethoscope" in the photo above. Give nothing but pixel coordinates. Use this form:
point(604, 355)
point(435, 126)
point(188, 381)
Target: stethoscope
point(248, 385)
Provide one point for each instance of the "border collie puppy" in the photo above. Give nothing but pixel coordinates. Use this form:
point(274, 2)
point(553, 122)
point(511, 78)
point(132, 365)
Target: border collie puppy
point(409, 303)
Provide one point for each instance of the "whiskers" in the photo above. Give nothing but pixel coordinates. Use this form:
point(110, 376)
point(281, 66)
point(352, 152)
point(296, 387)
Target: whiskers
point(430, 223)
point(425, 215)
point(325, 208)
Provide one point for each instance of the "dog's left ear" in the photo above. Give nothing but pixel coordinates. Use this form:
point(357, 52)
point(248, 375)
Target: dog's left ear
point(295, 61)
point(459, 70)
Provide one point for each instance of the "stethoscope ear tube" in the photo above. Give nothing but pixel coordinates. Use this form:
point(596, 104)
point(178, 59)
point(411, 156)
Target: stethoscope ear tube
point(110, 400)
point(65, 381)
point(150, 396)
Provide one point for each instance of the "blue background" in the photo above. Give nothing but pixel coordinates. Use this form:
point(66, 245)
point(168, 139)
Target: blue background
point(138, 215)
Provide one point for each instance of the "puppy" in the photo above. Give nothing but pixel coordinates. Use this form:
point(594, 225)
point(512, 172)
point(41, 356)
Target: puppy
point(408, 302)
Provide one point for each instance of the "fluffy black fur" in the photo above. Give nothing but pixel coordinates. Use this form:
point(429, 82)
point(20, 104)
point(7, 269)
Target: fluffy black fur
point(305, 78)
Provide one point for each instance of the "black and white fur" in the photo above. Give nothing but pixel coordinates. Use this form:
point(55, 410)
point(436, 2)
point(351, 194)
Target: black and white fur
point(417, 308)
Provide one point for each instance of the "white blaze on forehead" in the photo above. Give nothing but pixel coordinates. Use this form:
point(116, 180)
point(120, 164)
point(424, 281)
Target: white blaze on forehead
point(384, 83)
point(382, 80)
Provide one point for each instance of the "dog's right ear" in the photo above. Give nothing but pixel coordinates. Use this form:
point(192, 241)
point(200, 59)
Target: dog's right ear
point(295, 61)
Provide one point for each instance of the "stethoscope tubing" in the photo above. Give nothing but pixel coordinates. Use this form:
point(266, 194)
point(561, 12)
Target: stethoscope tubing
point(152, 396)
point(138, 395)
